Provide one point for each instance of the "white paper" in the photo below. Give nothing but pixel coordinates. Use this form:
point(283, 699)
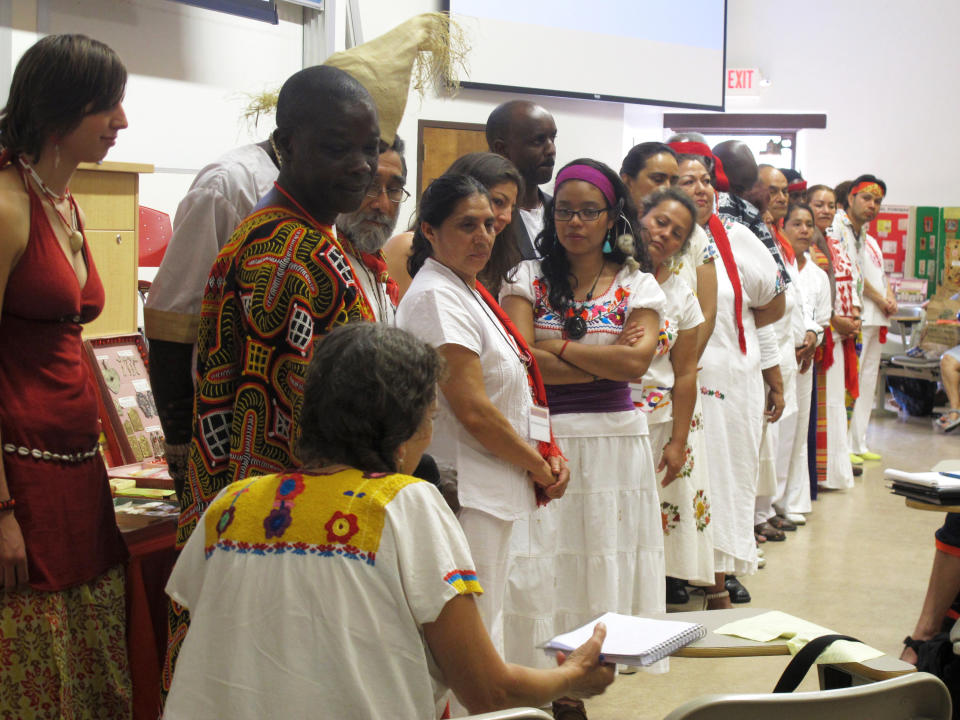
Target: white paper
point(127, 402)
point(926, 479)
point(141, 385)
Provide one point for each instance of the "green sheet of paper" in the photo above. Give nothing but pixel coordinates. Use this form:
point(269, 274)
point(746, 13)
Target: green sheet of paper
point(775, 624)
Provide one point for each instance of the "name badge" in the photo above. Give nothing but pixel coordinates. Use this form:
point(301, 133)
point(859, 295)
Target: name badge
point(540, 423)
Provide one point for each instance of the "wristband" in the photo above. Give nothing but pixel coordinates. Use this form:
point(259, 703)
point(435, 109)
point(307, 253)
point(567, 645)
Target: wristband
point(562, 348)
point(7, 505)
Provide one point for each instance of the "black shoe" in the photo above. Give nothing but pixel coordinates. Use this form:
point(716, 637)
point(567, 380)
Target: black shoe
point(738, 593)
point(677, 592)
point(857, 470)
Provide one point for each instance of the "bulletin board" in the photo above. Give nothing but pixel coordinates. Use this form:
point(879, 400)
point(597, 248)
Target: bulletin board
point(894, 233)
point(927, 245)
point(950, 273)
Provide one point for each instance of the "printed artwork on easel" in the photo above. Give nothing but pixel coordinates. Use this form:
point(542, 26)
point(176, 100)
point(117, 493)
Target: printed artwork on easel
point(127, 396)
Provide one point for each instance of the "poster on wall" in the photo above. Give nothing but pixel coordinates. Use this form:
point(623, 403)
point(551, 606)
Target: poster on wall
point(893, 231)
point(951, 248)
point(926, 246)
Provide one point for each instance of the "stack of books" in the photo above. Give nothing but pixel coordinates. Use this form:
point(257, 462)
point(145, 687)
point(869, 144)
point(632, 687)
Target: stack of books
point(936, 488)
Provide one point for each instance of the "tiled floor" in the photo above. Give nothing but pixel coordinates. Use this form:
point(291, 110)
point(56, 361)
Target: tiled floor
point(859, 566)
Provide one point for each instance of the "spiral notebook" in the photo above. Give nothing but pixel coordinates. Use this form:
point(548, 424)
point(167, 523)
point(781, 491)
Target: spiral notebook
point(632, 640)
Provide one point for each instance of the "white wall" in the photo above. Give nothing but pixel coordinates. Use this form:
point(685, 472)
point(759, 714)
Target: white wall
point(885, 74)
point(190, 73)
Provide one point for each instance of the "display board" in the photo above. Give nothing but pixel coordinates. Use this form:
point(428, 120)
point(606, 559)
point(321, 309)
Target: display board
point(132, 424)
point(950, 254)
point(621, 50)
point(926, 254)
point(893, 231)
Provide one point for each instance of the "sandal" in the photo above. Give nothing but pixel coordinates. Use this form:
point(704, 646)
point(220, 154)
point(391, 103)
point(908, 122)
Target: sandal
point(781, 523)
point(768, 531)
point(949, 421)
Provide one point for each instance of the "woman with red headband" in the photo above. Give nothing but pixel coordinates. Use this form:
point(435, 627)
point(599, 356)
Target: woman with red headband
point(601, 548)
point(731, 384)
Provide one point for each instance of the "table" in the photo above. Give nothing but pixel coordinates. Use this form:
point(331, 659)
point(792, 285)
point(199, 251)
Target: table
point(723, 646)
point(150, 541)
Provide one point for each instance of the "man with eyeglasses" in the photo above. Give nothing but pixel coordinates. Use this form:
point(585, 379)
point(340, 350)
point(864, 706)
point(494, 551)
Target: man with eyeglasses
point(364, 232)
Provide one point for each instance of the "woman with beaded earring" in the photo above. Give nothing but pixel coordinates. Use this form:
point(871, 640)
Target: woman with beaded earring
point(62, 599)
point(590, 311)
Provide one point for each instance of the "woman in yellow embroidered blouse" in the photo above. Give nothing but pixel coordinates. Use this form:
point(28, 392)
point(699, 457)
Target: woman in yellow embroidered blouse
point(351, 583)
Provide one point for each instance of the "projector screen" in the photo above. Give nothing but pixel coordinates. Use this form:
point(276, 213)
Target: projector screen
point(638, 51)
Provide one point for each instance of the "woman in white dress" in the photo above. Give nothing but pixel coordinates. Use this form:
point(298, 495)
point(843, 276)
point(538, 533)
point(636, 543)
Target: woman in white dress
point(484, 433)
point(601, 549)
point(793, 483)
point(669, 391)
point(731, 382)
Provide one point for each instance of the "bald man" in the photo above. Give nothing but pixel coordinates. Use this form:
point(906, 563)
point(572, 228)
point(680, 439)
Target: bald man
point(747, 198)
point(526, 134)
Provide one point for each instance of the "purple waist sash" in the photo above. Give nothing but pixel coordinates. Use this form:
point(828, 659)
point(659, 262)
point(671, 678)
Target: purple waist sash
point(596, 397)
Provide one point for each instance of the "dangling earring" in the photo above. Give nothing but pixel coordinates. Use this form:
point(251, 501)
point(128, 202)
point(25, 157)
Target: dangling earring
point(607, 247)
point(56, 155)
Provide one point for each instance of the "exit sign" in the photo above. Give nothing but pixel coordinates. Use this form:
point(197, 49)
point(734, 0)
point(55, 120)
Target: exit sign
point(743, 80)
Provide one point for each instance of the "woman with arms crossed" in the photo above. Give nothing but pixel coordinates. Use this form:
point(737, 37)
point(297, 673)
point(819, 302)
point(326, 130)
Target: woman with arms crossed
point(601, 548)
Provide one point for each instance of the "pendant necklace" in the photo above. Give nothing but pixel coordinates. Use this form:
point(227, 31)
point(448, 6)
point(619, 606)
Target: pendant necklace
point(73, 233)
point(575, 327)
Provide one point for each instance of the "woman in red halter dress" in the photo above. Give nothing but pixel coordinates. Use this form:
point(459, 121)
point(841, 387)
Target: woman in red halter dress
point(62, 616)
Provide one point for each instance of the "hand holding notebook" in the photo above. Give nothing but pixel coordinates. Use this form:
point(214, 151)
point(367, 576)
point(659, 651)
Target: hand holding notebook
point(632, 640)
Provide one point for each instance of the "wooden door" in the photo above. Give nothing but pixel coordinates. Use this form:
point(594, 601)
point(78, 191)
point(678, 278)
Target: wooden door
point(440, 143)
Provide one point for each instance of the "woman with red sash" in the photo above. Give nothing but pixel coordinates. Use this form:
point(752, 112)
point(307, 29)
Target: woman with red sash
point(731, 384)
point(490, 432)
point(837, 362)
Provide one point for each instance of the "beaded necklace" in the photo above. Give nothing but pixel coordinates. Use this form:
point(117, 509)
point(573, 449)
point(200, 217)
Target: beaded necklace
point(72, 226)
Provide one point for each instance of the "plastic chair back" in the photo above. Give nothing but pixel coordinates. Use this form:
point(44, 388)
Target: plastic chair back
point(917, 696)
point(155, 233)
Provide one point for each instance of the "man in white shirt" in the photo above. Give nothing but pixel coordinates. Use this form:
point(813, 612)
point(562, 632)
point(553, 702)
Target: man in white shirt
point(526, 135)
point(222, 194)
point(863, 203)
point(364, 232)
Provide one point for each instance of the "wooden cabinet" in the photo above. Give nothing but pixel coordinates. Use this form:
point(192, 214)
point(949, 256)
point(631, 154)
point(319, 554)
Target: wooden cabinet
point(109, 195)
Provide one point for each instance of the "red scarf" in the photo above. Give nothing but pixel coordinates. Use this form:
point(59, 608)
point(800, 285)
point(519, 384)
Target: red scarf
point(851, 379)
point(696, 148)
point(378, 266)
point(824, 354)
point(547, 449)
point(785, 248)
point(722, 242)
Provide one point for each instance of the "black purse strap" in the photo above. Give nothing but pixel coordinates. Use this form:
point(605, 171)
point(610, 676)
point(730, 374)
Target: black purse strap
point(803, 660)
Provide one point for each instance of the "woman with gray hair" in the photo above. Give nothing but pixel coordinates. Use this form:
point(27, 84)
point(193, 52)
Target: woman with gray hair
point(347, 568)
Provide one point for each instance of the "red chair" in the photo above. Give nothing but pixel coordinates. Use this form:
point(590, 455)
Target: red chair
point(155, 233)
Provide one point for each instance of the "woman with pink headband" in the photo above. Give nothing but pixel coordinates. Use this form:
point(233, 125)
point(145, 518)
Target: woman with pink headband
point(591, 313)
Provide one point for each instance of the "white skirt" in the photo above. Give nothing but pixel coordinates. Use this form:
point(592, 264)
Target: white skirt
point(597, 549)
point(685, 510)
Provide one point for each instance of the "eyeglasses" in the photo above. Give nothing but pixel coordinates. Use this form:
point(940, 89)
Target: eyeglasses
point(395, 194)
point(586, 214)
